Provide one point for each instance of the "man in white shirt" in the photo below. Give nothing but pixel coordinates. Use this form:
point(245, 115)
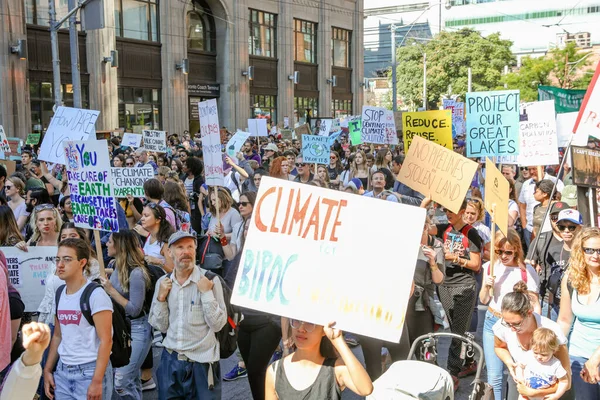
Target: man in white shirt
point(189, 308)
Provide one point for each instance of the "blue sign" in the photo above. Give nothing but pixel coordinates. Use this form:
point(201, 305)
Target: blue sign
point(315, 149)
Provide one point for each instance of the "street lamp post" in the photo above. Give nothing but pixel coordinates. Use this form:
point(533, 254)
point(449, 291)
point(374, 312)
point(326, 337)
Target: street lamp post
point(425, 81)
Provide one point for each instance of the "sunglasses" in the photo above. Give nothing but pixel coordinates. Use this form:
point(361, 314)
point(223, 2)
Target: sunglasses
point(8, 187)
point(129, 164)
point(333, 158)
point(571, 228)
point(524, 169)
point(509, 253)
point(590, 250)
point(300, 165)
point(42, 207)
point(244, 203)
point(308, 327)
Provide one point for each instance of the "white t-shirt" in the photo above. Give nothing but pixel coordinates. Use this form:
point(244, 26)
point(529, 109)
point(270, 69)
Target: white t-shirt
point(506, 277)
point(80, 342)
point(508, 336)
point(541, 375)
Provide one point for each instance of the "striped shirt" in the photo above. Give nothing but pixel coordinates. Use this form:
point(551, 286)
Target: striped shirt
point(526, 197)
point(190, 318)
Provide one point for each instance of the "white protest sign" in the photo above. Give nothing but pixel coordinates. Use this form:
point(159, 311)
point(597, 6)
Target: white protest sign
point(302, 259)
point(131, 140)
point(537, 134)
point(234, 145)
point(90, 181)
point(564, 129)
point(391, 136)
point(258, 127)
point(27, 271)
point(67, 124)
point(130, 181)
point(374, 124)
point(4, 146)
point(324, 127)
point(588, 120)
point(155, 141)
point(211, 142)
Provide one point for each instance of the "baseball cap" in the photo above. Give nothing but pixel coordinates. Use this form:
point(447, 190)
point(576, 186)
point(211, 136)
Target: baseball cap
point(558, 207)
point(569, 195)
point(355, 184)
point(271, 146)
point(177, 236)
point(570, 215)
point(545, 185)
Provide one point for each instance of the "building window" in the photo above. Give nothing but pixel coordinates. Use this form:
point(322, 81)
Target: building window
point(139, 109)
point(263, 106)
point(136, 19)
point(340, 47)
point(263, 34)
point(201, 27)
point(303, 106)
point(42, 101)
point(341, 108)
point(305, 38)
point(36, 13)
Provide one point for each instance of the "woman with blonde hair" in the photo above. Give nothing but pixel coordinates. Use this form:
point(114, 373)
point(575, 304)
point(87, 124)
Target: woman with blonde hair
point(580, 309)
point(10, 234)
point(14, 189)
point(323, 176)
point(45, 223)
point(359, 169)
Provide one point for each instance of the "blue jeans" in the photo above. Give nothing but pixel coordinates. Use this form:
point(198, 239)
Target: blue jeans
point(178, 379)
point(128, 383)
point(583, 390)
point(494, 365)
point(527, 237)
point(73, 381)
point(553, 310)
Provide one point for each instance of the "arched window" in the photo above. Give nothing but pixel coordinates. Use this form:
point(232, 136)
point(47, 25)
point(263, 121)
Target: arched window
point(200, 27)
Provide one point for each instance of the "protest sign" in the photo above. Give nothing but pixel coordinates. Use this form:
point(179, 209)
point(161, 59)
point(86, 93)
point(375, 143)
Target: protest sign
point(507, 159)
point(10, 166)
point(565, 123)
point(374, 121)
point(155, 141)
point(435, 126)
point(588, 119)
point(355, 130)
point(391, 135)
point(586, 166)
point(458, 116)
point(315, 149)
point(258, 127)
point(496, 195)
point(300, 260)
point(322, 126)
point(33, 139)
point(28, 271)
point(286, 123)
point(236, 142)
point(438, 172)
point(538, 142)
point(130, 181)
point(211, 142)
point(133, 140)
point(4, 147)
point(90, 181)
point(302, 130)
point(67, 124)
point(493, 123)
point(286, 134)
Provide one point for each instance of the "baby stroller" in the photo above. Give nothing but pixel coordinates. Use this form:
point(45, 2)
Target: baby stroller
point(421, 379)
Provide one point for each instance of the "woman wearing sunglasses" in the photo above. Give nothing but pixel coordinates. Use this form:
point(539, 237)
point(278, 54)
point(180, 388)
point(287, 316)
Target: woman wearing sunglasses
point(509, 268)
point(316, 370)
point(512, 340)
point(580, 309)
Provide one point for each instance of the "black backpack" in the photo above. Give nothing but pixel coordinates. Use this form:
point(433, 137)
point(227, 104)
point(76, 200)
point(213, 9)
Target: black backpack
point(121, 346)
point(155, 274)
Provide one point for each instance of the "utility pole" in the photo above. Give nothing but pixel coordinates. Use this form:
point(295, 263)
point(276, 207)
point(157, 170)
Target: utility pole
point(394, 72)
point(74, 42)
point(57, 91)
point(425, 81)
point(470, 80)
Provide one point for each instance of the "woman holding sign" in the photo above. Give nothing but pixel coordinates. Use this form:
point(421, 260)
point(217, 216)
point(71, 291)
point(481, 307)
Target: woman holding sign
point(154, 220)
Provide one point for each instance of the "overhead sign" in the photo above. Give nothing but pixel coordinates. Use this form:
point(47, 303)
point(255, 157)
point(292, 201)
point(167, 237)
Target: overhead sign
point(130, 181)
point(204, 89)
point(437, 172)
point(211, 142)
point(155, 141)
point(458, 116)
point(28, 271)
point(299, 232)
point(67, 124)
point(133, 140)
point(315, 149)
point(496, 195)
point(493, 123)
point(90, 181)
point(538, 141)
point(258, 127)
point(435, 126)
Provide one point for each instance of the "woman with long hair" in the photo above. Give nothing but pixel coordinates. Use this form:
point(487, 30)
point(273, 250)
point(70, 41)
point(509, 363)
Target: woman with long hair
point(10, 234)
point(128, 286)
point(156, 251)
point(334, 169)
point(513, 207)
point(177, 167)
point(280, 168)
point(228, 216)
point(175, 196)
point(509, 268)
point(65, 205)
point(14, 189)
point(580, 312)
point(323, 176)
point(45, 223)
point(383, 161)
point(193, 183)
point(359, 169)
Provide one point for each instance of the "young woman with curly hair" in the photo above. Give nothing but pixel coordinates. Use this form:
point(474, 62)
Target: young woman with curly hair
point(280, 168)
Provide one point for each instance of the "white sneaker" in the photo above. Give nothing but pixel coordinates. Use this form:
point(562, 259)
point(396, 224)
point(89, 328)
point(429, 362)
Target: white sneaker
point(148, 385)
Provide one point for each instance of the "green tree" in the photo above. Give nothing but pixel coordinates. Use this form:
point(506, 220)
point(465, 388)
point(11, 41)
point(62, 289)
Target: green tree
point(449, 56)
point(533, 72)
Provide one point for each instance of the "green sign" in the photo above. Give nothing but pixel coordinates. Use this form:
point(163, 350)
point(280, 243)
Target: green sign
point(355, 129)
point(33, 138)
point(565, 100)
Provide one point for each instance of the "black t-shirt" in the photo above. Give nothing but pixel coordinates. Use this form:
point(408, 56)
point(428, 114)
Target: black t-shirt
point(454, 243)
point(557, 261)
point(333, 173)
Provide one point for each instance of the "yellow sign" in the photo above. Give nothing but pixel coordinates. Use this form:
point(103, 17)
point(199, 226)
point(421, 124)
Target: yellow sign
point(435, 126)
point(496, 195)
point(437, 172)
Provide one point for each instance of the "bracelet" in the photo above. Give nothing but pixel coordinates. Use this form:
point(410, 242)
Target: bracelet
point(224, 241)
point(465, 262)
point(433, 267)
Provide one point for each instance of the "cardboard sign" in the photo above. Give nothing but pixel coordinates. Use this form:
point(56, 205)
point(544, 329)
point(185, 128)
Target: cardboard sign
point(10, 166)
point(437, 172)
point(496, 195)
point(435, 126)
point(355, 130)
point(211, 142)
point(538, 142)
point(303, 129)
point(236, 142)
point(133, 140)
point(67, 124)
point(258, 127)
point(286, 134)
point(4, 147)
point(155, 141)
point(315, 149)
point(586, 166)
point(458, 116)
point(588, 119)
point(130, 181)
point(90, 181)
point(300, 259)
point(493, 123)
point(33, 139)
point(391, 135)
point(28, 271)
point(374, 122)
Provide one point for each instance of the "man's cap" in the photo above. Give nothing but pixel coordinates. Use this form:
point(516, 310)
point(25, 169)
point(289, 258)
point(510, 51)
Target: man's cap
point(545, 185)
point(569, 195)
point(177, 236)
point(271, 146)
point(570, 215)
point(355, 184)
point(558, 207)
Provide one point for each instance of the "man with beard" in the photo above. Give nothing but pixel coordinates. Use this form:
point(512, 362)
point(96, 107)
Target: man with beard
point(189, 308)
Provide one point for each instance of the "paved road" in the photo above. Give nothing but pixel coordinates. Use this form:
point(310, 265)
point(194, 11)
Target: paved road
point(239, 390)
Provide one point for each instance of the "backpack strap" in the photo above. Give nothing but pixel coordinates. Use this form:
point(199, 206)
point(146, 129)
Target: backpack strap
point(445, 235)
point(465, 238)
point(84, 301)
point(57, 295)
